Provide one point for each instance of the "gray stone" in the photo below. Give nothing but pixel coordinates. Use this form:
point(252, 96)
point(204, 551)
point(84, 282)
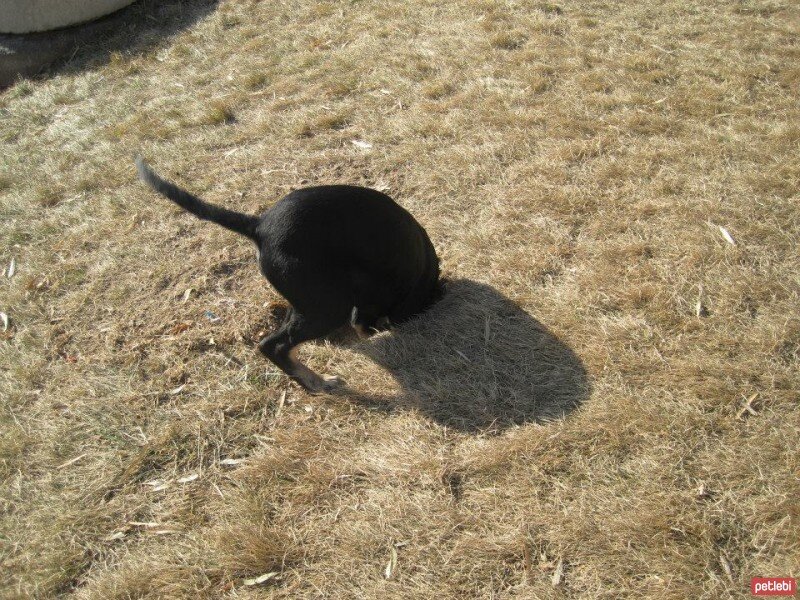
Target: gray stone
point(132, 28)
point(23, 55)
point(27, 16)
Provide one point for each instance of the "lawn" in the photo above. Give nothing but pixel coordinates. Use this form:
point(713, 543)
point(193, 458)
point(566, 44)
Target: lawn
point(603, 405)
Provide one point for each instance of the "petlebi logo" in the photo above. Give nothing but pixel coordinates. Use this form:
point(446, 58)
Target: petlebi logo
point(773, 586)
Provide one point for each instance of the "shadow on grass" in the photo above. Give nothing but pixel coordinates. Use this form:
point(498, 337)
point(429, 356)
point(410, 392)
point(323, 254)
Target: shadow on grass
point(477, 362)
point(133, 29)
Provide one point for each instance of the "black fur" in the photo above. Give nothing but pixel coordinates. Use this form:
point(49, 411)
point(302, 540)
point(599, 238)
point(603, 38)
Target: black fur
point(338, 254)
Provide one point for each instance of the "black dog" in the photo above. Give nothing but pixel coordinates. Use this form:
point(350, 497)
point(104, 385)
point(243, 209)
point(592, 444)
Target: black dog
point(336, 253)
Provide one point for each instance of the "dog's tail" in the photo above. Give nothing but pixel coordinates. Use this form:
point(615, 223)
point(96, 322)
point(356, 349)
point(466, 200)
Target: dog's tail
point(235, 221)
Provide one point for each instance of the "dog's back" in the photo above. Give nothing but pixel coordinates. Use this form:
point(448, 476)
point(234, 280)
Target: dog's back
point(360, 237)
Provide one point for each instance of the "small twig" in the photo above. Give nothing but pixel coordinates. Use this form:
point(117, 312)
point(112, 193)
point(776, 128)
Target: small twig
point(281, 402)
point(72, 460)
point(219, 491)
point(747, 408)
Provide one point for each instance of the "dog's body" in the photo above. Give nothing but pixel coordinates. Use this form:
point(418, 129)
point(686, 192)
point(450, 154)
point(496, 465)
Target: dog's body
point(338, 254)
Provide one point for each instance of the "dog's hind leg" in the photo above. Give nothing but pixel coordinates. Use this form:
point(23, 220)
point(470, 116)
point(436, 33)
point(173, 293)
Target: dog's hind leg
point(280, 348)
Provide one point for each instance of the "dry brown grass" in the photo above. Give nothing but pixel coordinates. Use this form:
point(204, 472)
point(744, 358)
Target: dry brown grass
point(563, 405)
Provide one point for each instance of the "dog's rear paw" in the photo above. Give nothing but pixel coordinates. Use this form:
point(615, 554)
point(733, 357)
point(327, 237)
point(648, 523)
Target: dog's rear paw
point(331, 382)
point(322, 385)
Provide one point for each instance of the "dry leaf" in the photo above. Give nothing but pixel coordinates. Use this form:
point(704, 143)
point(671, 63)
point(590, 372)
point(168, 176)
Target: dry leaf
point(188, 478)
point(702, 492)
point(361, 144)
point(180, 327)
point(4, 319)
point(115, 536)
point(728, 237)
point(558, 573)
point(134, 222)
point(12, 268)
point(544, 564)
point(158, 485)
point(260, 579)
point(388, 572)
point(187, 293)
point(230, 462)
point(527, 564)
point(726, 566)
point(177, 390)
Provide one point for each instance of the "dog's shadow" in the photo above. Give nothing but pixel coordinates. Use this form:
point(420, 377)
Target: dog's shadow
point(475, 361)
